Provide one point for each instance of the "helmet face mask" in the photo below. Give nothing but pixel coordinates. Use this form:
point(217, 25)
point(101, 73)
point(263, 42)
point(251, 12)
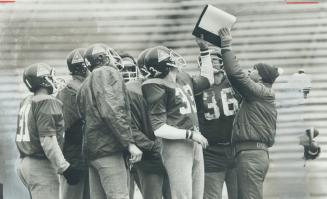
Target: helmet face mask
point(177, 59)
point(117, 60)
point(130, 71)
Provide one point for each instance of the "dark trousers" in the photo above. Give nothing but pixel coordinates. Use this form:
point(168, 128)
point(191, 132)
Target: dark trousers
point(153, 185)
point(214, 182)
point(251, 167)
point(219, 169)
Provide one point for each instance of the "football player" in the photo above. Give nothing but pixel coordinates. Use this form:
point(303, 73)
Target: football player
point(216, 110)
point(151, 174)
point(103, 104)
point(254, 127)
point(169, 93)
point(73, 127)
point(39, 138)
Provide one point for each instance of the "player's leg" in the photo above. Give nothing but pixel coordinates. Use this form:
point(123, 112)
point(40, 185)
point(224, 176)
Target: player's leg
point(113, 175)
point(151, 184)
point(22, 175)
point(231, 183)
point(213, 184)
point(96, 190)
point(252, 167)
point(74, 191)
point(215, 162)
point(231, 174)
point(198, 172)
point(177, 157)
point(41, 178)
point(166, 187)
point(131, 182)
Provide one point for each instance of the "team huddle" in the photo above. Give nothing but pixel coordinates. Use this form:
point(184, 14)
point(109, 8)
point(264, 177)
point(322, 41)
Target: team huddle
point(121, 120)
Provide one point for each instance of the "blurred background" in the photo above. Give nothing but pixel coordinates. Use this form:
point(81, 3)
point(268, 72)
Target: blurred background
point(291, 36)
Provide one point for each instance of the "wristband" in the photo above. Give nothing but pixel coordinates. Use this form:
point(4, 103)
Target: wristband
point(191, 136)
point(204, 52)
point(187, 134)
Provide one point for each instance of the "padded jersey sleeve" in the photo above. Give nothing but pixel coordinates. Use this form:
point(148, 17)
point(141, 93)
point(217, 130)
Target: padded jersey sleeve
point(156, 98)
point(49, 117)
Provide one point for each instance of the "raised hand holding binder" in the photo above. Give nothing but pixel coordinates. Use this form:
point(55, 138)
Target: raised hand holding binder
point(209, 23)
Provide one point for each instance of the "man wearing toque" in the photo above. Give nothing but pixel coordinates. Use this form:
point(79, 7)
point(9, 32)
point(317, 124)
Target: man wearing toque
point(254, 127)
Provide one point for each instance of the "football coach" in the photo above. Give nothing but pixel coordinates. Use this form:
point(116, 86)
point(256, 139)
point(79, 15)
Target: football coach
point(254, 126)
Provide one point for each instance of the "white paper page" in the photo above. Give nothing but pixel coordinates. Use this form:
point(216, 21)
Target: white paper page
point(214, 19)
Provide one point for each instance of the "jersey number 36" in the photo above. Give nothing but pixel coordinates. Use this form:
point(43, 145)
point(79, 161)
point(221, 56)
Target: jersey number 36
point(229, 104)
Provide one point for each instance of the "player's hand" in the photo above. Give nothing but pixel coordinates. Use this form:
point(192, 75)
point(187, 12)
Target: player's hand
point(72, 175)
point(136, 153)
point(199, 138)
point(226, 38)
point(156, 148)
point(203, 45)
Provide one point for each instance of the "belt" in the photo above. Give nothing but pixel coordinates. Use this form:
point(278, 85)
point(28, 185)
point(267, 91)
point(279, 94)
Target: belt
point(243, 146)
point(39, 157)
point(220, 143)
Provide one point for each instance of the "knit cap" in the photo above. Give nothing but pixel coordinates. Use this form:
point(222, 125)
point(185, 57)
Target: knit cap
point(268, 73)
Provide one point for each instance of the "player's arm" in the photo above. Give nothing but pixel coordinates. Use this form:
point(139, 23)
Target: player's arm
point(156, 98)
point(206, 69)
point(112, 102)
point(53, 152)
point(240, 81)
point(46, 120)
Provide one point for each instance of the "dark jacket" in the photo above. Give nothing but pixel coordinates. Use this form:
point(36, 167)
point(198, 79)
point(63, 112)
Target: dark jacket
point(256, 118)
point(142, 130)
point(103, 103)
point(73, 123)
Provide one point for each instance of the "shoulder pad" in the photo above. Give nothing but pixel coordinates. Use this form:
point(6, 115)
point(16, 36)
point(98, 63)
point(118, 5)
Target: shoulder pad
point(159, 81)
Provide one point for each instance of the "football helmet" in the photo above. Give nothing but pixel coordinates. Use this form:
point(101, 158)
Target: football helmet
point(140, 62)
point(159, 60)
point(75, 62)
point(130, 70)
point(102, 55)
point(40, 75)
